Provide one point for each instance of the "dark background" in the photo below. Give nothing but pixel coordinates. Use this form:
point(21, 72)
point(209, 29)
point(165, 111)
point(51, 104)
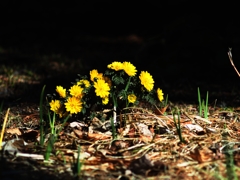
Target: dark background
point(183, 44)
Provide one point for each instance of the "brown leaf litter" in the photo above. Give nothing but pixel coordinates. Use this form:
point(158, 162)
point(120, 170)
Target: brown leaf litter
point(147, 146)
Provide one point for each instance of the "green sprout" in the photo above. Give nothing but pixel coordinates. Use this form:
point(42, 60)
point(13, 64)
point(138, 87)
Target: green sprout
point(77, 166)
point(166, 101)
point(231, 168)
point(203, 106)
point(54, 134)
point(178, 124)
point(50, 146)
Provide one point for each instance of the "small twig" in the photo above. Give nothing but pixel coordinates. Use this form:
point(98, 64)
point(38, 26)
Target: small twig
point(138, 154)
point(186, 114)
point(131, 147)
point(153, 115)
point(3, 127)
point(202, 119)
point(231, 60)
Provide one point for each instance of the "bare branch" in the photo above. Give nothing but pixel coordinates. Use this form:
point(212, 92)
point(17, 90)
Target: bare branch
point(231, 60)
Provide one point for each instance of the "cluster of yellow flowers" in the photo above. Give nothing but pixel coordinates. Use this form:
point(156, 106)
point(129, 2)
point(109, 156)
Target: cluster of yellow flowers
point(146, 78)
point(72, 101)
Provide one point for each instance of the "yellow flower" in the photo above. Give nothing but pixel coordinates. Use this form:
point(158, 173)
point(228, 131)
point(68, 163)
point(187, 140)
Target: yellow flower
point(101, 88)
point(129, 68)
point(55, 106)
point(146, 80)
point(73, 105)
point(105, 100)
point(61, 91)
point(132, 98)
point(160, 94)
point(94, 74)
point(116, 66)
point(76, 91)
point(84, 82)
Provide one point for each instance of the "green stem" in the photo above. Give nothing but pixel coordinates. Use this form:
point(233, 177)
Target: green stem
point(52, 122)
point(127, 103)
point(126, 88)
point(125, 91)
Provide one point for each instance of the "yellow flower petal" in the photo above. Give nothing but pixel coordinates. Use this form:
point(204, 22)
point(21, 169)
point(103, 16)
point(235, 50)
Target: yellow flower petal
point(160, 94)
point(61, 91)
point(129, 68)
point(84, 82)
point(116, 66)
point(105, 100)
point(55, 105)
point(94, 74)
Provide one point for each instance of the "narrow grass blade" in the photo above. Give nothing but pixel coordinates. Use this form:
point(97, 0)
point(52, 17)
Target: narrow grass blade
point(79, 164)
point(50, 146)
point(199, 102)
point(1, 106)
point(206, 107)
point(41, 117)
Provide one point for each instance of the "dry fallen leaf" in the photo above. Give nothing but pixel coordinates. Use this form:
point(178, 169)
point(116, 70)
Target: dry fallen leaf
point(14, 131)
point(201, 154)
point(98, 136)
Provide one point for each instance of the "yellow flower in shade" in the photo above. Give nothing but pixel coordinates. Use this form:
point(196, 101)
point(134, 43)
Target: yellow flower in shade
point(84, 82)
point(116, 66)
point(73, 105)
point(146, 80)
point(61, 91)
point(101, 88)
point(94, 74)
point(132, 98)
point(105, 100)
point(76, 91)
point(108, 80)
point(129, 68)
point(55, 106)
point(160, 94)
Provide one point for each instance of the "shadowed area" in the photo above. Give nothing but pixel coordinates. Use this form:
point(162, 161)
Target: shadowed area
point(182, 52)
